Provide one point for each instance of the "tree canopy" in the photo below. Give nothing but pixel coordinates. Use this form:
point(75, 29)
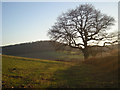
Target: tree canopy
point(77, 27)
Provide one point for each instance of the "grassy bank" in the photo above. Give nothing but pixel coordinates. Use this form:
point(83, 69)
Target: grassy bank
point(97, 72)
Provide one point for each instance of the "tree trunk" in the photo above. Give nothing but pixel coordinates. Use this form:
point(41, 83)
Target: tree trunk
point(86, 53)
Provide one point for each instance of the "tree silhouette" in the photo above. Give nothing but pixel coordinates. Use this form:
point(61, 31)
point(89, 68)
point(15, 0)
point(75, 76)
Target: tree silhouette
point(79, 26)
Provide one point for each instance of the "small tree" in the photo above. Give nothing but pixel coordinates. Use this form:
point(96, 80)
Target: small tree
point(79, 26)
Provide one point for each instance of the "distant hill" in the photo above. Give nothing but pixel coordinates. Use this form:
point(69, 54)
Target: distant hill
point(49, 50)
point(39, 49)
point(28, 47)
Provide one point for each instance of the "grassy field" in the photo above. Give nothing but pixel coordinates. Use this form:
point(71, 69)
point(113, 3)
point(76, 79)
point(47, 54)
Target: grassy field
point(96, 72)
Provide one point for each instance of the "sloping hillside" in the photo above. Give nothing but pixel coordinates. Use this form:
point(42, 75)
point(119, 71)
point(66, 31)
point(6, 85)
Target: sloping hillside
point(50, 50)
point(33, 50)
point(40, 49)
point(28, 47)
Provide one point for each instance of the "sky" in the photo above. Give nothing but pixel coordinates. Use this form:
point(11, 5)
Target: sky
point(30, 21)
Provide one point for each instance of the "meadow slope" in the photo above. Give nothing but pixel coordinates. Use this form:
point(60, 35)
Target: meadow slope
point(97, 72)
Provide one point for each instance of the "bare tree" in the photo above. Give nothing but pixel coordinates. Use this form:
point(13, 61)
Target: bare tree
point(79, 26)
point(112, 39)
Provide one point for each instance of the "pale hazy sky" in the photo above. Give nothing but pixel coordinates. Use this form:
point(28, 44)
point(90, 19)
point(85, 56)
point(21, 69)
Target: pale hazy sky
point(30, 21)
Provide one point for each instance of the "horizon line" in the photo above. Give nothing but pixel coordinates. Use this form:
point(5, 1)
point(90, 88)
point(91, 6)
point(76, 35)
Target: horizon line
point(23, 42)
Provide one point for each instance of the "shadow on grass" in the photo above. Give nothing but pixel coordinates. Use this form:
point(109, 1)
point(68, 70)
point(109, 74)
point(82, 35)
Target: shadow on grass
point(83, 76)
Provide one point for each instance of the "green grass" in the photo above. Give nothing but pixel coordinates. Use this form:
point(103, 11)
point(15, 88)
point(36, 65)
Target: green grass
point(19, 72)
point(25, 72)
